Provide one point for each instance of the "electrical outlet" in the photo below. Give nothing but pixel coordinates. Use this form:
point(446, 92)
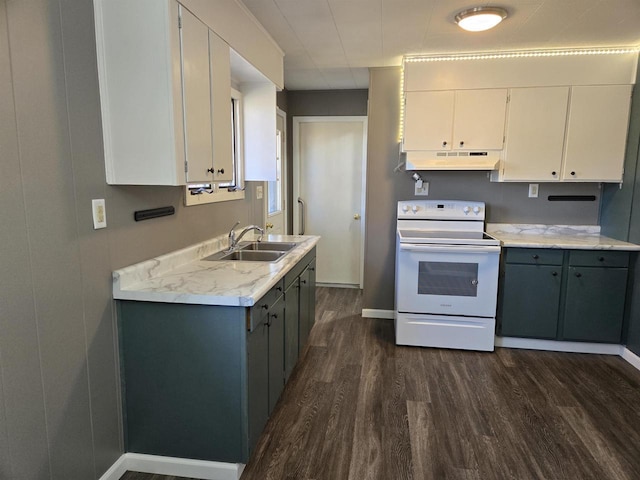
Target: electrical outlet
point(99, 213)
point(533, 190)
point(424, 190)
point(259, 192)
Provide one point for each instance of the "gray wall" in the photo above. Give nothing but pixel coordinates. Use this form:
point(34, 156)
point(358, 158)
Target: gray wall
point(59, 384)
point(316, 103)
point(506, 202)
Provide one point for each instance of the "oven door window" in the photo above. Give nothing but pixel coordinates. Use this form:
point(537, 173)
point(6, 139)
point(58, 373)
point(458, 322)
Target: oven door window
point(448, 278)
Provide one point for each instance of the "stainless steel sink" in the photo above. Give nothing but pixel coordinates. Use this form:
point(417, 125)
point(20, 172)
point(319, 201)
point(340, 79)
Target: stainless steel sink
point(247, 256)
point(271, 246)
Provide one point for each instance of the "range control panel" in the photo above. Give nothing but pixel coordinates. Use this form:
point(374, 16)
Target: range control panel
point(441, 210)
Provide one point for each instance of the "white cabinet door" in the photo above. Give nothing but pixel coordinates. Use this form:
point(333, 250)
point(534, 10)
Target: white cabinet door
point(428, 120)
point(479, 118)
point(194, 50)
point(596, 133)
point(535, 134)
point(221, 108)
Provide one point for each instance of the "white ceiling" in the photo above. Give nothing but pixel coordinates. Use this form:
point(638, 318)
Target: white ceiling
point(330, 44)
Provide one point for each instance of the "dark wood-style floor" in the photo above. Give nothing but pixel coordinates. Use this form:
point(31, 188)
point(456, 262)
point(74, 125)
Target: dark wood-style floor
point(359, 407)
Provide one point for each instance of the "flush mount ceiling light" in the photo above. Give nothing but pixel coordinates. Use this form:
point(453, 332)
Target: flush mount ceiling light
point(479, 19)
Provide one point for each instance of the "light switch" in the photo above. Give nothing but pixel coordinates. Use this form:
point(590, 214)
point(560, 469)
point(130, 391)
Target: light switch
point(533, 190)
point(259, 192)
point(99, 213)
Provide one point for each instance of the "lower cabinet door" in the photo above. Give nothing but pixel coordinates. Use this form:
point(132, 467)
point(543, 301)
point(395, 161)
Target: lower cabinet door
point(594, 306)
point(291, 327)
point(258, 380)
point(276, 352)
point(530, 301)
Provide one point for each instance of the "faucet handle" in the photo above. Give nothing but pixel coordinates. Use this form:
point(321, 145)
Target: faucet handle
point(235, 225)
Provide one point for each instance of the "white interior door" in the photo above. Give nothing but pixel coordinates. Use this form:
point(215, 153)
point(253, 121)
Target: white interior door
point(329, 167)
point(276, 191)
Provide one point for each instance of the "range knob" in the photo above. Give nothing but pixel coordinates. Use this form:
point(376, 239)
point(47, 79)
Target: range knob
point(466, 210)
point(405, 208)
point(476, 210)
point(414, 209)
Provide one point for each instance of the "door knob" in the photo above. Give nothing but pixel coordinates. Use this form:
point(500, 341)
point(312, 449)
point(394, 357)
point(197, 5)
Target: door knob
point(356, 216)
point(269, 225)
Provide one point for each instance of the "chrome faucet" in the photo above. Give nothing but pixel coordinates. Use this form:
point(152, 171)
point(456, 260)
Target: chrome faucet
point(233, 240)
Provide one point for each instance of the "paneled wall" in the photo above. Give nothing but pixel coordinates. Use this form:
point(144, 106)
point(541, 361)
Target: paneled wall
point(60, 415)
point(506, 202)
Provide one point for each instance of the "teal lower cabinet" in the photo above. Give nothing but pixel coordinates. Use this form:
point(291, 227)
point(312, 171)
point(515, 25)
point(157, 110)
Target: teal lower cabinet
point(200, 381)
point(307, 302)
point(292, 326)
point(531, 301)
point(572, 295)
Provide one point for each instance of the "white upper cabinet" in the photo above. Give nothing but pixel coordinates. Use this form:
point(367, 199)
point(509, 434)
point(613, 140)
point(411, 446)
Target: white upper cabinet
point(479, 119)
point(455, 120)
point(221, 109)
point(165, 92)
point(574, 134)
point(596, 133)
point(535, 134)
point(428, 122)
point(196, 106)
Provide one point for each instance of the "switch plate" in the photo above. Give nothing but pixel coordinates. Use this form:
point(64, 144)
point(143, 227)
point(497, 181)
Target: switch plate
point(99, 213)
point(259, 192)
point(424, 190)
point(533, 190)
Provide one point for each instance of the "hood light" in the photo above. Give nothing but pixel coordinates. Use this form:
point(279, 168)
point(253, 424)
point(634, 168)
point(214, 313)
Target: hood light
point(479, 19)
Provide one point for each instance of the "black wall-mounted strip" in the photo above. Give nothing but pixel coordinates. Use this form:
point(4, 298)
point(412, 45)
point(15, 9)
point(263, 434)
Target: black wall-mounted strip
point(153, 213)
point(571, 198)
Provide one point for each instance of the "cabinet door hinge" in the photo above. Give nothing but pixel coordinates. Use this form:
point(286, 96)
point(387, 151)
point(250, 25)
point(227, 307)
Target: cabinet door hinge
point(186, 167)
point(179, 21)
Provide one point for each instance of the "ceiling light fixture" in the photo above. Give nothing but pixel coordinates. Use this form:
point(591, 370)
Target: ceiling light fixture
point(479, 19)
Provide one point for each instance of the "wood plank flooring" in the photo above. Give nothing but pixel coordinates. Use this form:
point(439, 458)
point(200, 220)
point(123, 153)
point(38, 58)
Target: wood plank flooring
point(359, 407)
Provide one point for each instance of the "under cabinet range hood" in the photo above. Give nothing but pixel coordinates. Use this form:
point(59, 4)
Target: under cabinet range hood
point(417, 160)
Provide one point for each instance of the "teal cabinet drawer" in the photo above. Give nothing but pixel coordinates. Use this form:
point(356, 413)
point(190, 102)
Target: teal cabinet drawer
point(598, 258)
point(262, 306)
point(534, 256)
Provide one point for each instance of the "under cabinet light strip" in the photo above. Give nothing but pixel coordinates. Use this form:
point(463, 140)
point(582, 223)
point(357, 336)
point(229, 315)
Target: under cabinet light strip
point(521, 54)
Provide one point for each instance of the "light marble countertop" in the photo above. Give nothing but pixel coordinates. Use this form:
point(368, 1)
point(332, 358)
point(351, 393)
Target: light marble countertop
point(582, 237)
point(184, 277)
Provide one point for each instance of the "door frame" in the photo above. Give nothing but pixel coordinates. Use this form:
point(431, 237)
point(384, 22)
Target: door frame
point(283, 173)
point(296, 172)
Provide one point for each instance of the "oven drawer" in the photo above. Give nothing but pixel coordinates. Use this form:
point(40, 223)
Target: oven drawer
point(440, 331)
point(534, 256)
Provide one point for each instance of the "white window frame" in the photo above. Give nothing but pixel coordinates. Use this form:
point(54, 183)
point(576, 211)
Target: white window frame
point(213, 192)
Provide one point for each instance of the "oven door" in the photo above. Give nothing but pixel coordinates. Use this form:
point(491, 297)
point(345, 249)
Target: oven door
point(447, 279)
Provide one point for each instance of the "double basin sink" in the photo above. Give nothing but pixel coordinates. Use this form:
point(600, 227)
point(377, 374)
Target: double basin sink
point(254, 252)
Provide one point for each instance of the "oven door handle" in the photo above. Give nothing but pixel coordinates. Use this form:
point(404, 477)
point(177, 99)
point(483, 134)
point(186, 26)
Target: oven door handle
point(450, 248)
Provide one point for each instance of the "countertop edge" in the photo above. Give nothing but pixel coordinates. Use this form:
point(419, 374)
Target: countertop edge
point(136, 293)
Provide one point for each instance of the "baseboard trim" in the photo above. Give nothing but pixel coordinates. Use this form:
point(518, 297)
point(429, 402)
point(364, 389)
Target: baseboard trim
point(631, 357)
point(559, 346)
point(374, 313)
point(178, 467)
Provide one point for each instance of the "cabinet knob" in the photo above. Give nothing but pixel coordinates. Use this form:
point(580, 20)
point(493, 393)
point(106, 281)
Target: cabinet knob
point(535, 257)
point(210, 170)
point(265, 306)
point(554, 173)
point(304, 282)
point(275, 315)
point(278, 289)
point(578, 274)
point(312, 269)
point(461, 143)
point(444, 144)
point(221, 171)
point(555, 274)
point(601, 259)
point(573, 173)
